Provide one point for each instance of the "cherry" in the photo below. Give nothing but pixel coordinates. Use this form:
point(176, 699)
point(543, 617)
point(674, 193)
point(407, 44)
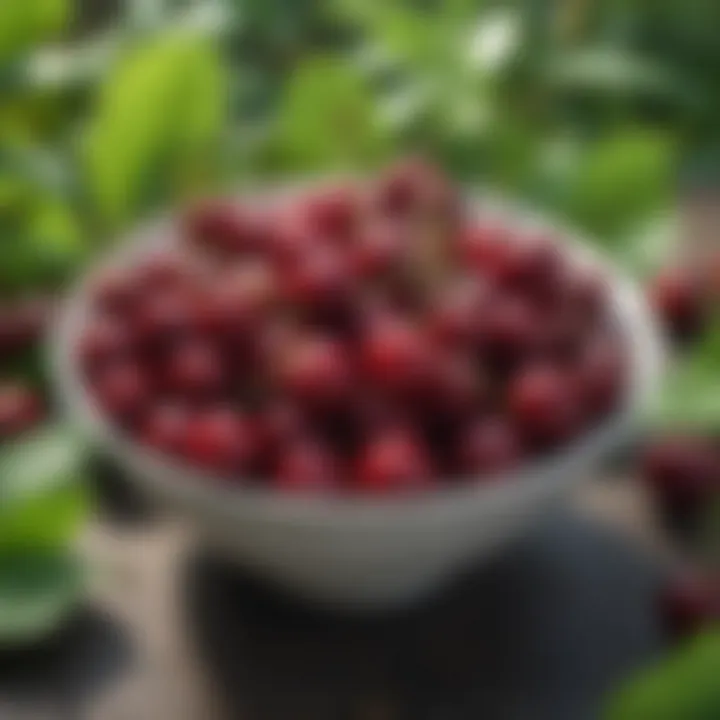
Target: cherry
point(220, 439)
point(489, 445)
point(394, 354)
point(162, 270)
point(533, 266)
point(116, 291)
point(507, 331)
point(456, 387)
point(237, 305)
point(561, 333)
point(163, 316)
point(453, 316)
point(412, 186)
point(122, 389)
point(23, 323)
point(393, 462)
point(484, 248)
point(105, 339)
point(679, 302)
point(321, 279)
point(689, 602)
point(333, 213)
point(195, 369)
point(544, 405)
point(225, 227)
point(165, 427)
point(317, 371)
point(279, 424)
point(683, 470)
point(587, 291)
point(380, 250)
point(289, 241)
point(374, 412)
point(306, 465)
point(20, 409)
point(601, 376)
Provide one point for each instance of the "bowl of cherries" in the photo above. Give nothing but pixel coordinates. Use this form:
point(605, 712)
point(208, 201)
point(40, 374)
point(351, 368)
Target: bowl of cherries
point(355, 387)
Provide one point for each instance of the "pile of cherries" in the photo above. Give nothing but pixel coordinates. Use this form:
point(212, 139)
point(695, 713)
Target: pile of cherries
point(375, 337)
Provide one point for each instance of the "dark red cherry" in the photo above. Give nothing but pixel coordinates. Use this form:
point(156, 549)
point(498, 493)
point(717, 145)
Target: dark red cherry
point(306, 465)
point(317, 371)
point(393, 462)
point(220, 440)
point(544, 405)
point(20, 409)
point(488, 446)
point(165, 427)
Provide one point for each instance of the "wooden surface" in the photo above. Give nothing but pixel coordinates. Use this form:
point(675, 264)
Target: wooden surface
point(539, 634)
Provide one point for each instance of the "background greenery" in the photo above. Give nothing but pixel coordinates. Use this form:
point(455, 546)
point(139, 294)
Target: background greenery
point(593, 110)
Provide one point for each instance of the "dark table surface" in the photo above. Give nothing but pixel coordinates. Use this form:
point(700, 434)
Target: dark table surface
point(541, 633)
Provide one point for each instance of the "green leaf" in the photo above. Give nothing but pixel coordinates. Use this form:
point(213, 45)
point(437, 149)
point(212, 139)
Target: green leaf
point(612, 71)
point(327, 119)
point(157, 117)
point(691, 397)
point(37, 594)
point(685, 687)
point(26, 22)
point(42, 499)
point(620, 179)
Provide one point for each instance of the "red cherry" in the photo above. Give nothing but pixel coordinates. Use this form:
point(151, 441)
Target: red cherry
point(163, 316)
point(322, 278)
point(601, 376)
point(165, 428)
point(489, 446)
point(544, 405)
point(306, 466)
point(380, 250)
point(195, 369)
point(116, 291)
point(106, 339)
point(162, 270)
point(484, 248)
point(587, 290)
point(413, 185)
point(333, 213)
point(395, 354)
point(531, 266)
point(122, 389)
point(683, 470)
point(562, 330)
point(20, 410)
point(220, 439)
point(290, 240)
point(279, 424)
point(22, 324)
point(453, 319)
point(238, 303)
point(225, 227)
point(690, 602)
point(393, 462)
point(317, 371)
point(457, 386)
point(678, 299)
point(507, 330)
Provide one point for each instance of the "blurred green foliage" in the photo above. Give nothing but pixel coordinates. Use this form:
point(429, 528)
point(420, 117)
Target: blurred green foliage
point(685, 687)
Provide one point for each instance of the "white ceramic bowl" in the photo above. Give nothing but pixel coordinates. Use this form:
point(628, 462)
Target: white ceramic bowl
point(365, 552)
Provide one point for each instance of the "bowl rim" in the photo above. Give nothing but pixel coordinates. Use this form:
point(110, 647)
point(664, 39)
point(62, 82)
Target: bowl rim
point(632, 314)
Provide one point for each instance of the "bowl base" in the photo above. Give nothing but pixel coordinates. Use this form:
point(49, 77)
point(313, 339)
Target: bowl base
point(538, 633)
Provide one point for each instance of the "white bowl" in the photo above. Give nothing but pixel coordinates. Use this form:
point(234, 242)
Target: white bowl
point(354, 551)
